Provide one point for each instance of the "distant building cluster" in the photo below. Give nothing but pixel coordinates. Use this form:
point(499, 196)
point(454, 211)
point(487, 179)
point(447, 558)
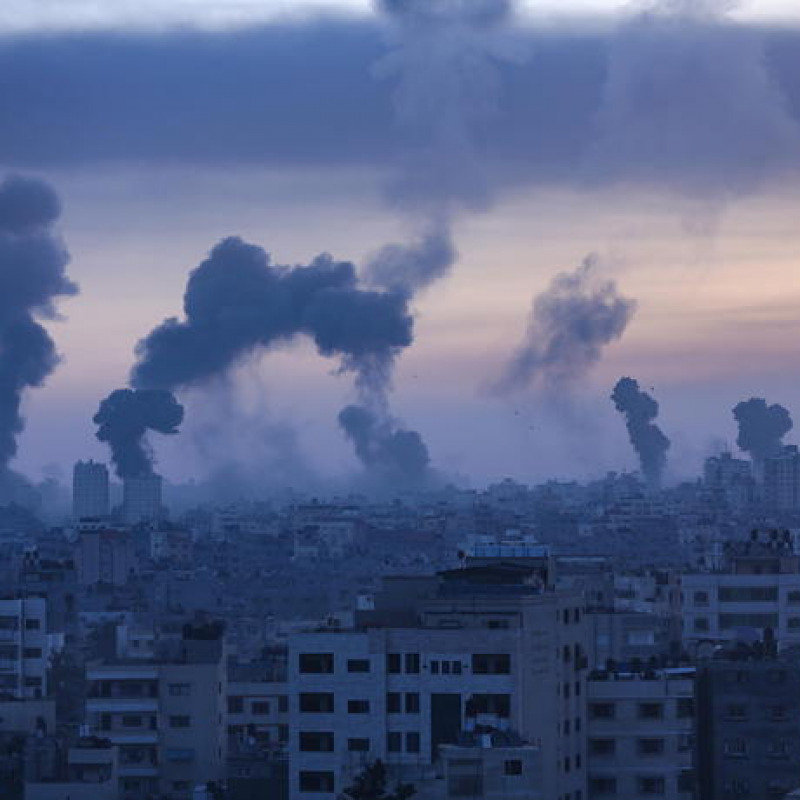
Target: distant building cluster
point(558, 642)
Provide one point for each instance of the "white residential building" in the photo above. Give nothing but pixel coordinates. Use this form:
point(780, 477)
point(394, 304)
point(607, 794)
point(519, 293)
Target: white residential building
point(24, 647)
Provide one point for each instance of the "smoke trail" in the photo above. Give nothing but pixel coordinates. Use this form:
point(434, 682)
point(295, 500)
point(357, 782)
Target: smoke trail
point(570, 324)
point(761, 427)
point(690, 104)
point(125, 416)
point(444, 59)
point(33, 261)
point(237, 303)
point(641, 411)
point(393, 455)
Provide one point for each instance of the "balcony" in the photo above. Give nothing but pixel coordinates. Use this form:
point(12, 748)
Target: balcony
point(121, 704)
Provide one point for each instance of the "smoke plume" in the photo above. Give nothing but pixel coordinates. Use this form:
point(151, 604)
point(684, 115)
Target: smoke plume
point(689, 103)
point(33, 261)
point(761, 427)
point(237, 303)
point(570, 325)
point(125, 417)
point(444, 58)
point(392, 455)
point(650, 443)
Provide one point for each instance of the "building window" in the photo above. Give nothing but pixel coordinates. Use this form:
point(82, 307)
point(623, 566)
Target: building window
point(131, 721)
point(651, 711)
point(358, 706)
point(181, 756)
point(394, 742)
point(777, 712)
point(496, 704)
point(412, 703)
point(316, 663)
point(736, 711)
point(316, 781)
point(316, 742)
point(650, 747)
point(735, 748)
point(434, 667)
point(701, 624)
point(779, 748)
point(602, 787)
point(793, 597)
point(393, 703)
point(700, 598)
point(685, 707)
point(358, 665)
point(179, 689)
point(602, 711)
point(32, 624)
point(412, 742)
point(512, 767)
point(393, 663)
point(793, 623)
point(412, 663)
point(358, 745)
point(261, 708)
point(316, 703)
point(235, 705)
point(653, 785)
point(491, 664)
point(602, 747)
point(181, 721)
point(32, 652)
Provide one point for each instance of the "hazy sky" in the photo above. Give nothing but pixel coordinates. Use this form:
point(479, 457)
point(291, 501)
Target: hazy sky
point(162, 143)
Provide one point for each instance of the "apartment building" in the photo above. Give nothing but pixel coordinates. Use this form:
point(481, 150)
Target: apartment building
point(90, 490)
point(258, 704)
point(757, 590)
point(749, 724)
point(641, 734)
point(167, 716)
point(488, 645)
point(24, 648)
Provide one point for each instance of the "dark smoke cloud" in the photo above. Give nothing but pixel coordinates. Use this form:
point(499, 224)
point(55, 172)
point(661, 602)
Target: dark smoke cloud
point(691, 101)
point(394, 457)
point(33, 261)
point(570, 325)
point(125, 417)
point(237, 303)
point(761, 427)
point(641, 411)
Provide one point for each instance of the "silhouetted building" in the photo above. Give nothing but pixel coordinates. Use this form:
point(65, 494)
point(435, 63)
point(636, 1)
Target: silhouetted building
point(90, 494)
point(782, 480)
point(141, 499)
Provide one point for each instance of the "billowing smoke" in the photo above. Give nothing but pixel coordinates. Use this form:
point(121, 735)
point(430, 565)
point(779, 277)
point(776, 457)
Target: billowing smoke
point(237, 303)
point(444, 57)
point(125, 417)
point(33, 264)
point(690, 103)
point(570, 325)
point(650, 443)
point(761, 427)
point(394, 456)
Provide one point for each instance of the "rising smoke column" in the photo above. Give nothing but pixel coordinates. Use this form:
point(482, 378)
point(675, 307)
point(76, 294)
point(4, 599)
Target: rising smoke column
point(396, 457)
point(641, 411)
point(761, 428)
point(33, 264)
point(444, 60)
point(124, 418)
point(238, 303)
point(570, 324)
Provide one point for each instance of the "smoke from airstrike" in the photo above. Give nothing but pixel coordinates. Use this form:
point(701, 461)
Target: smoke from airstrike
point(761, 428)
point(33, 264)
point(124, 418)
point(570, 325)
point(641, 411)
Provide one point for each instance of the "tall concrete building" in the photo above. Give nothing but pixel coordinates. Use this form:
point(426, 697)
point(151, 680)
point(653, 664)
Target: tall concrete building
point(141, 499)
point(104, 555)
point(782, 480)
point(90, 497)
point(641, 734)
point(167, 716)
point(491, 645)
point(24, 648)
